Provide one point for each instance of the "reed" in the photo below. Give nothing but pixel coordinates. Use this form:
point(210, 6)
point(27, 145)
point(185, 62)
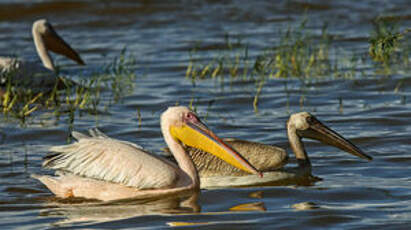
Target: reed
point(387, 46)
point(303, 55)
point(116, 81)
point(298, 54)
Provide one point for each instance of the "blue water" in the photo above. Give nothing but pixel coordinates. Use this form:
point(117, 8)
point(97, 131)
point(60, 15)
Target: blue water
point(371, 109)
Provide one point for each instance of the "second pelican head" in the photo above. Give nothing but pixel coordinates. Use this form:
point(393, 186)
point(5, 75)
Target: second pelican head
point(306, 125)
point(46, 38)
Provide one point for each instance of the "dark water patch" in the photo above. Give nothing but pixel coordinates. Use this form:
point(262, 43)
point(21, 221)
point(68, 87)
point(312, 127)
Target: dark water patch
point(21, 190)
point(25, 10)
point(330, 220)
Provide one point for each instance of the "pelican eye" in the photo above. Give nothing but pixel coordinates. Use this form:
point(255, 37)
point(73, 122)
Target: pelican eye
point(311, 120)
point(190, 117)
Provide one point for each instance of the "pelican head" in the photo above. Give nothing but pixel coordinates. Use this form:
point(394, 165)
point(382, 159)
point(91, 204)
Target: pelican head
point(306, 125)
point(184, 126)
point(46, 38)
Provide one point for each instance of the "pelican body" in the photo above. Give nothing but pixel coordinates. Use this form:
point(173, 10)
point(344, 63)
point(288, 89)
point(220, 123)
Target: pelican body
point(99, 167)
point(31, 74)
point(271, 159)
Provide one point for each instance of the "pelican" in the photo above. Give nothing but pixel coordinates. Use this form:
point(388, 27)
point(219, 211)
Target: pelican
point(270, 159)
point(99, 167)
point(33, 74)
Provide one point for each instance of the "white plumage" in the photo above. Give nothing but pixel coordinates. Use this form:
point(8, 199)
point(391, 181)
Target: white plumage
point(99, 167)
point(101, 157)
point(25, 73)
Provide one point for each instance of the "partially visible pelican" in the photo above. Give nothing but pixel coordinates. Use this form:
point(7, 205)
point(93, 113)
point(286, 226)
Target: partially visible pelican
point(99, 167)
point(33, 74)
point(270, 159)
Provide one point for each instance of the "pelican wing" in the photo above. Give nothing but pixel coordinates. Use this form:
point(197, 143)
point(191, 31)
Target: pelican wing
point(103, 158)
point(25, 73)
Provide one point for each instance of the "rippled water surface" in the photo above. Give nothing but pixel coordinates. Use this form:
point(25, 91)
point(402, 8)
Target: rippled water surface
point(372, 110)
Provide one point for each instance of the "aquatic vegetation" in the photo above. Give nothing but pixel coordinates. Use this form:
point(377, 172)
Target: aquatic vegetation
point(233, 63)
point(297, 55)
point(301, 54)
point(257, 94)
point(232, 59)
point(116, 81)
point(385, 44)
point(10, 103)
point(119, 75)
point(383, 41)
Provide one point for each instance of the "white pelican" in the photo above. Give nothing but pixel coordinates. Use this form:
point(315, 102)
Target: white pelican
point(33, 74)
point(99, 167)
point(270, 159)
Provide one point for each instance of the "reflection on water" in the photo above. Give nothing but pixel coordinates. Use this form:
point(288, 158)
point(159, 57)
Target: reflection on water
point(372, 110)
point(84, 212)
point(79, 210)
point(305, 206)
point(256, 206)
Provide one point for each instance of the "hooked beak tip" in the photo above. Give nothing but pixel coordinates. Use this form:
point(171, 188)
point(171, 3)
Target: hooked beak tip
point(328, 136)
point(369, 158)
point(357, 152)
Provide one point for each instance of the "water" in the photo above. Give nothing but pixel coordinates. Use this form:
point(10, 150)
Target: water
point(367, 110)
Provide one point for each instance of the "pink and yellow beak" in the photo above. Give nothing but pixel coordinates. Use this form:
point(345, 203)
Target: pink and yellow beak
point(196, 134)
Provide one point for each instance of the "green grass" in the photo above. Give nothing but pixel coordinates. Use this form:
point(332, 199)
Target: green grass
point(90, 95)
point(388, 46)
point(300, 54)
